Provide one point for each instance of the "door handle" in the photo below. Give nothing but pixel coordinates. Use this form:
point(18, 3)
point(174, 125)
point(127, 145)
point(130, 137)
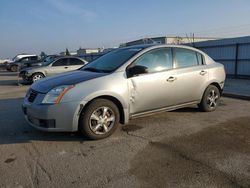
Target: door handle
point(203, 72)
point(171, 79)
point(66, 67)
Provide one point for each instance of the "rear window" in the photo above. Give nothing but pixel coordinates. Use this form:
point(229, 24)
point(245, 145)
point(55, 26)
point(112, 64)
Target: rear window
point(200, 58)
point(75, 61)
point(60, 62)
point(33, 58)
point(185, 58)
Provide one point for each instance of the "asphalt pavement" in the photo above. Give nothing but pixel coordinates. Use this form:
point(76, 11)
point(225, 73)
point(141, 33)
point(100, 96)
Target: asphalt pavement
point(182, 148)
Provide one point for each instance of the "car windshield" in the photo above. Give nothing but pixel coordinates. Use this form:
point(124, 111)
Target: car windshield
point(111, 61)
point(15, 58)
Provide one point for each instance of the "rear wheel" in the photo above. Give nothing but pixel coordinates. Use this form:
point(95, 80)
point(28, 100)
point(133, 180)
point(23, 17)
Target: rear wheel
point(210, 99)
point(37, 76)
point(100, 119)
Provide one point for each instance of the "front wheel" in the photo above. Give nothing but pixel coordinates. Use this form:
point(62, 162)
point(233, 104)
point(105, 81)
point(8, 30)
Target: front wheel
point(210, 99)
point(99, 120)
point(37, 76)
point(13, 68)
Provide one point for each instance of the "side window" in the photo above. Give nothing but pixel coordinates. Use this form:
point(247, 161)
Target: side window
point(25, 59)
point(185, 58)
point(75, 61)
point(33, 58)
point(61, 62)
point(156, 60)
point(200, 58)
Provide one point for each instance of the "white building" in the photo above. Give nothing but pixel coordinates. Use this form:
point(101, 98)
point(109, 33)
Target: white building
point(167, 40)
point(84, 51)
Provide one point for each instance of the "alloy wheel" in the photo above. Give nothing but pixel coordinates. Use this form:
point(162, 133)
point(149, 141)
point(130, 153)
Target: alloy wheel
point(102, 120)
point(37, 77)
point(212, 98)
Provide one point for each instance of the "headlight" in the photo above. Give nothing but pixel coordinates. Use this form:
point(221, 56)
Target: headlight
point(55, 95)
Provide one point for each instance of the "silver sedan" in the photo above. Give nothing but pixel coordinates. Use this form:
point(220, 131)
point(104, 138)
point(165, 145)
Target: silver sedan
point(124, 84)
point(51, 68)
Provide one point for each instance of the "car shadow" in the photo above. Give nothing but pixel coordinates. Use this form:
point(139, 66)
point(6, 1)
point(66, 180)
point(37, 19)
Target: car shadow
point(187, 109)
point(14, 128)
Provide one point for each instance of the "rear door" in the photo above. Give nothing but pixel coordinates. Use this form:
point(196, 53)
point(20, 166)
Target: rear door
point(190, 76)
point(75, 63)
point(58, 66)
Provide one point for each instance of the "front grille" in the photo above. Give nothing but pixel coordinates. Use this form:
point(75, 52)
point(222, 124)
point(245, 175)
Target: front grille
point(32, 95)
point(44, 123)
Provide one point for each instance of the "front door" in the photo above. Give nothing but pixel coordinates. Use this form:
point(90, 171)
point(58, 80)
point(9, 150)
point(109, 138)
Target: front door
point(152, 90)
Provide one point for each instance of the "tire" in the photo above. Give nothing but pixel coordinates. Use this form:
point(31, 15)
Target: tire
point(37, 76)
point(13, 68)
point(99, 119)
point(210, 99)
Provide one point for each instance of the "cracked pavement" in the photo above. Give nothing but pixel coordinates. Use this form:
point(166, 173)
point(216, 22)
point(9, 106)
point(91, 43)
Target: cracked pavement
point(182, 148)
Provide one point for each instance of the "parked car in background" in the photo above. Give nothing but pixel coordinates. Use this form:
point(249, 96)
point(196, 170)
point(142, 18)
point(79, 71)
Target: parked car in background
point(49, 58)
point(124, 84)
point(22, 61)
point(91, 57)
point(4, 61)
point(53, 67)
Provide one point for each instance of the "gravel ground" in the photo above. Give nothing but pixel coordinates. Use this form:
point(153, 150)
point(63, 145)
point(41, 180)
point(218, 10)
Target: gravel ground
point(182, 148)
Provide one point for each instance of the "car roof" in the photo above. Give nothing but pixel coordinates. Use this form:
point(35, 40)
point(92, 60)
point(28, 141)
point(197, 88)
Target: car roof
point(63, 57)
point(142, 46)
point(153, 46)
point(26, 55)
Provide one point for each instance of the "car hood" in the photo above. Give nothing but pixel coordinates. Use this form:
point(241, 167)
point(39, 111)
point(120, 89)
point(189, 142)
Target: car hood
point(70, 78)
point(31, 69)
point(10, 61)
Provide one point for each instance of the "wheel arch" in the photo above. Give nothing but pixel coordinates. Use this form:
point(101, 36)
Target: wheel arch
point(112, 99)
point(14, 65)
point(216, 84)
point(213, 83)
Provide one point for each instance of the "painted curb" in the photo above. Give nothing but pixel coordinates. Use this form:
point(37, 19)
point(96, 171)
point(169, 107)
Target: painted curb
point(236, 96)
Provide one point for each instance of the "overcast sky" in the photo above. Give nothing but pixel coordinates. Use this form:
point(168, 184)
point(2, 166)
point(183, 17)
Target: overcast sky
point(33, 26)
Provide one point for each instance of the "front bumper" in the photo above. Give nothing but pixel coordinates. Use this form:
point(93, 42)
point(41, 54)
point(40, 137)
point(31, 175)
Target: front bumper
point(53, 118)
point(7, 66)
point(25, 76)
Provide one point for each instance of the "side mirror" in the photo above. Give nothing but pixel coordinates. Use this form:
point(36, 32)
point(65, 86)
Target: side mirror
point(136, 70)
